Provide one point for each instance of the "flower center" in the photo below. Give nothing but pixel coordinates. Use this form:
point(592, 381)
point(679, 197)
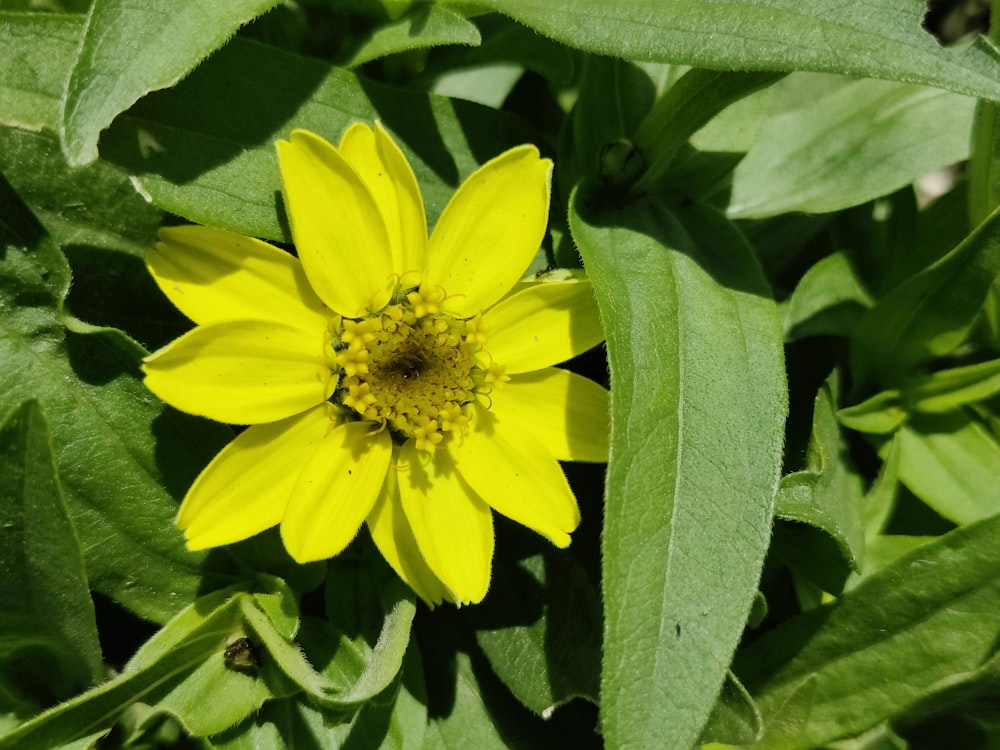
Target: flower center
point(412, 369)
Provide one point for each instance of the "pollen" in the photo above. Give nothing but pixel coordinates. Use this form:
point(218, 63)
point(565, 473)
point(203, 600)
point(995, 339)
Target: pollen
point(412, 369)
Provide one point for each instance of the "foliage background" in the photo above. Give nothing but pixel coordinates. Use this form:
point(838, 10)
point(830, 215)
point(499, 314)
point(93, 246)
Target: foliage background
point(797, 543)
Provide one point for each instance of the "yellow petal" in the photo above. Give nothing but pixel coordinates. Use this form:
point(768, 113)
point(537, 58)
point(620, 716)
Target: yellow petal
point(214, 276)
point(335, 491)
point(490, 231)
point(542, 325)
point(392, 535)
point(338, 230)
point(244, 372)
point(452, 526)
point(246, 487)
point(515, 474)
point(568, 413)
point(383, 167)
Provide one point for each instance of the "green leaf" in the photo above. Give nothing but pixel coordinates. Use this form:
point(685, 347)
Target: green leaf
point(846, 667)
point(828, 300)
point(939, 392)
point(828, 493)
point(863, 140)
point(540, 629)
point(469, 723)
point(614, 98)
point(881, 414)
point(735, 719)
point(875, 39)
point(929, 314)
point(698, 409)
point(196, 636)
point(972, 696)
point(205, 149)
point(112, 442)
point(948, 389)
point(37, 52)
point(49, 647)
point(421, 26)
point(951, 462)
point(395, 720)
point(697, 97)
point(218, 661)
point(130, 49)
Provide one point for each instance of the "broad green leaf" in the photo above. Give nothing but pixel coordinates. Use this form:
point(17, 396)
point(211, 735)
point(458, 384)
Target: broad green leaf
point(130, 49)
point(875, 39)
point(49, 647)
point(697, 97)
point(951, 462)
point(698, 409)
point(864, 140)
point(929, 314)
point(828, 300)
point(540, 629)
point(828, 493)
point(101, 424)
point(848, 666)
point(205, 149)
point(94, 206)
point(37, 51)
point(421, 26)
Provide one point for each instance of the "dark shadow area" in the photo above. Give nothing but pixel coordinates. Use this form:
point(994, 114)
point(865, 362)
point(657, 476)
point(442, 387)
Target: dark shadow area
point(441, 636)
point(114, 289)
point(184, 446)
point(120, 631)
point(18, 224)
point(102, 356)
point(954, 22)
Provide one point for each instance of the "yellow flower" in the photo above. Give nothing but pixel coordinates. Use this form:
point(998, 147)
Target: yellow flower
point(391, 380)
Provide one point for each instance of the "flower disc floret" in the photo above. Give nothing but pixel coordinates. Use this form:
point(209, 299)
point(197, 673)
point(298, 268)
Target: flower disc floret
point(411, 368)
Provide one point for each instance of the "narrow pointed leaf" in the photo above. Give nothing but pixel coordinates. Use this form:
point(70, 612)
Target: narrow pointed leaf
point(698, 407)
point(930, 313)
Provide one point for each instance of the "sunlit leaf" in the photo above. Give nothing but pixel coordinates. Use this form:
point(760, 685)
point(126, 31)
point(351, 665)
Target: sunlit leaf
point(863, 140)
point(698, 407)
point(846, 667)
point(875, 39)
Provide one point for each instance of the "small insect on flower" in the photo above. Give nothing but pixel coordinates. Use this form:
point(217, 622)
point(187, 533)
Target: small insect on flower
point(242, 655)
